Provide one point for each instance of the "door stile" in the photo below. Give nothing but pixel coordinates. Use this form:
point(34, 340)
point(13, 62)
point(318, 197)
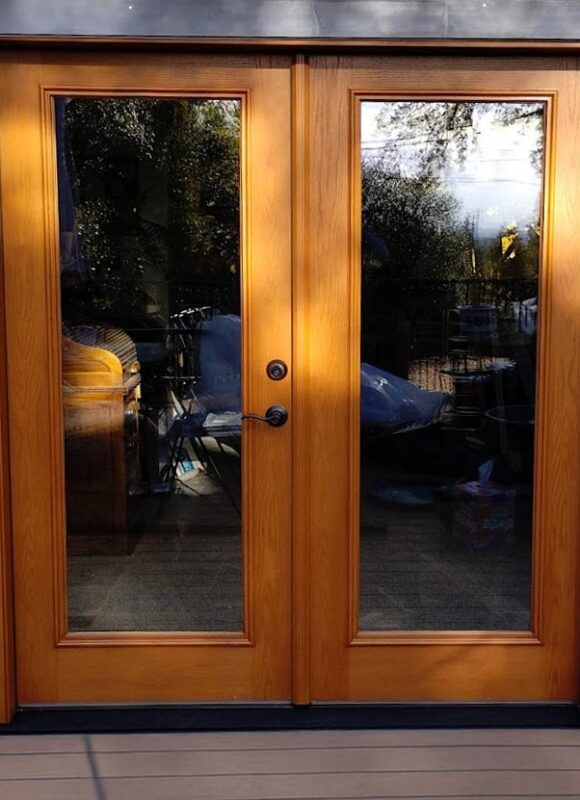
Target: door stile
point(303, 419)
point(7, 654)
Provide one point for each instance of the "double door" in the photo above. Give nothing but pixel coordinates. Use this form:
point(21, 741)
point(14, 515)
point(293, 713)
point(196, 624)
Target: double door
point(293, 376)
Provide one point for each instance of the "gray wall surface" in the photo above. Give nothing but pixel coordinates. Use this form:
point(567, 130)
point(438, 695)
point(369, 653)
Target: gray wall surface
point(453, 19)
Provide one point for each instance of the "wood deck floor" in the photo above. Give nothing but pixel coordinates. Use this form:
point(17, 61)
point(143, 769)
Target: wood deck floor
point(300, 764)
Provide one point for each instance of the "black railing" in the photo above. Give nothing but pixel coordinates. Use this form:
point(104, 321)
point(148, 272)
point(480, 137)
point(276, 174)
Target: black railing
point(499, 292)
point(406, 320)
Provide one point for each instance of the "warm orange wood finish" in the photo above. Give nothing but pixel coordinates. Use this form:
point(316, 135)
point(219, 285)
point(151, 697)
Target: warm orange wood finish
point(543, 664)
point(300, 234)
point(255, 664)
point(301, 269)
point(7, 665)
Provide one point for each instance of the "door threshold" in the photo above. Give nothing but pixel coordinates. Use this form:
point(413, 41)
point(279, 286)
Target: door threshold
point(282, 716)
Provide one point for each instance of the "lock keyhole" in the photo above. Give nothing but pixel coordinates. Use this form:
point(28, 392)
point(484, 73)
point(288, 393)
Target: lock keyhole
point(277, 369)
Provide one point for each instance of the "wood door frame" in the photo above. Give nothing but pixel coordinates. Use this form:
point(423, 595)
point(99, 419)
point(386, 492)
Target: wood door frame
point(301, 256)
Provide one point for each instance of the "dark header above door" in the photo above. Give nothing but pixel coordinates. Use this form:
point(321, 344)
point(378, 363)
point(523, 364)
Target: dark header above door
point(310, 19)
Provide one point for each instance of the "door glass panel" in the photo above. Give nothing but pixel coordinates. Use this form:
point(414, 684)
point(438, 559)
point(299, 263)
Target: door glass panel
point(149, 208)
point(451, 216)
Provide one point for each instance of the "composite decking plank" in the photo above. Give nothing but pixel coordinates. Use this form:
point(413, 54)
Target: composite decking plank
point(295, 765)
point(43, 765)
point(338, 760)
point(342, 786)
point(561, 737)
point(50, 743)
point(49, 790)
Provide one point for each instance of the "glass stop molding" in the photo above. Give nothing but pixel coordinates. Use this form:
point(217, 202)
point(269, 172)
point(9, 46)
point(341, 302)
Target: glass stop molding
point(452, 198)
point(149, 210)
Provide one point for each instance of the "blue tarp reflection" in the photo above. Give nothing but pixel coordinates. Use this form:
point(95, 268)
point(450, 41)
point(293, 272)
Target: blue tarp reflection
point(387, 401)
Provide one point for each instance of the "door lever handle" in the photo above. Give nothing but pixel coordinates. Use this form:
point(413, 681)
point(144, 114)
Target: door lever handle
point(276, 416)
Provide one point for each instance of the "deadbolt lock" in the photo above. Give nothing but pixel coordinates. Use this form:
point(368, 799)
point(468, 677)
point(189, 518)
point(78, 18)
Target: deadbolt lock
point(277, 369)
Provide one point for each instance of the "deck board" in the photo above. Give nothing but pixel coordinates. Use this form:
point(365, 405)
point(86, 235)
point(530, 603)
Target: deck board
point(294, 765)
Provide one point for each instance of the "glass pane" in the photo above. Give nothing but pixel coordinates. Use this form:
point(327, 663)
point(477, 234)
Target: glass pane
point(150, 290)
point(451, 215)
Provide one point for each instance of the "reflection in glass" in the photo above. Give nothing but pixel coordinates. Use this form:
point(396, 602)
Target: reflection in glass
point(451, 212)
point(150, 291)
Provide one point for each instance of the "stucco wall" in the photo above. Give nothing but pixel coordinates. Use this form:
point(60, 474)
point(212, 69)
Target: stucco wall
point(494, 19)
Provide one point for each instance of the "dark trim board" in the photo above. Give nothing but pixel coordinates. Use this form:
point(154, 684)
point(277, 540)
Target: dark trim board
point(291, 45)
point(147, 718)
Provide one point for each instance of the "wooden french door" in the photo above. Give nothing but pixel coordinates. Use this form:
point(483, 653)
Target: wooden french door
point(147, 248)
point(442, 302)
point(401, 234)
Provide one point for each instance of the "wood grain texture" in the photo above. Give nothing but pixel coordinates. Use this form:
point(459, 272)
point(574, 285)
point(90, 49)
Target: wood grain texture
point(307, 647)
point(300, 378)
point(7, 660)
point(195, 667)
point(448, 665)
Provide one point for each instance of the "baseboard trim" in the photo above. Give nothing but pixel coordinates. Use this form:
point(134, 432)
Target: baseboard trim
point(230, 717)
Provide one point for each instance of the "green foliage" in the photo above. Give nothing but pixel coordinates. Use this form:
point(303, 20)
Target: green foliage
point(100, 128)
point(419, 223)
point(521, 259)
point(439, 131)
point(407, 206)
point(432, 129)
point(199, 150)
point(157, 186)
